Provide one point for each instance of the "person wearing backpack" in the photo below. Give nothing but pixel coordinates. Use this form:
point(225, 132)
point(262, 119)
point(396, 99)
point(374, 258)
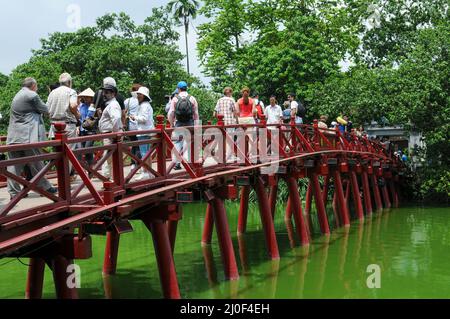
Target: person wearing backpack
point(297, 109)
point(183, 112)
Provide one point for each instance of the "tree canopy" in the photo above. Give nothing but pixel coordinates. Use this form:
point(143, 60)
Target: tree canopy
point(396, 52)
point(116, 47)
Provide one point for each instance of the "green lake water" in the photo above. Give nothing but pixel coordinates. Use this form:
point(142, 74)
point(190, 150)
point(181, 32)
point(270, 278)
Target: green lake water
point(410, 245)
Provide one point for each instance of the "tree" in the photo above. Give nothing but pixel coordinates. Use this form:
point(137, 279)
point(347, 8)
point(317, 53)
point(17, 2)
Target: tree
point(115, 47)
point(184, 10)
point(3, 80)
point(271, 46)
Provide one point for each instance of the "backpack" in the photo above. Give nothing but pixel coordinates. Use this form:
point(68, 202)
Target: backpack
point(184, 109)
point(301, 111)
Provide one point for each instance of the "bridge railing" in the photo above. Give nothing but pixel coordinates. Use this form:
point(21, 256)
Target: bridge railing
point(204, 149)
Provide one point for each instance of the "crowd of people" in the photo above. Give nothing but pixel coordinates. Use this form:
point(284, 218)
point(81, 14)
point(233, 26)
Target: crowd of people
point(107, 111)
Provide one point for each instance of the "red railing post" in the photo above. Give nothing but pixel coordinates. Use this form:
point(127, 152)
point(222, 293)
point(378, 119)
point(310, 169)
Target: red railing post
point(221, 124)
point(294, 140)
point(62, 166)
point(316, 135)
point(112, 236)
point(162, 148)
point(117, 161)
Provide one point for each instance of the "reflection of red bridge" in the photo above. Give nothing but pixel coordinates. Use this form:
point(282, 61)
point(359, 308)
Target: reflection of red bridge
point(56, 229)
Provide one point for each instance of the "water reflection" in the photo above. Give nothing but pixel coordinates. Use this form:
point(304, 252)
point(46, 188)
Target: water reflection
point(409, 244)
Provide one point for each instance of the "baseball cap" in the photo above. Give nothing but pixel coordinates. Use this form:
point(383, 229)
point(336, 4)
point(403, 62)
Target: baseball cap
point(182, 85)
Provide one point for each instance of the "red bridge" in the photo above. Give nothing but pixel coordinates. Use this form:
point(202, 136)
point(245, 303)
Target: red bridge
point(55, 229)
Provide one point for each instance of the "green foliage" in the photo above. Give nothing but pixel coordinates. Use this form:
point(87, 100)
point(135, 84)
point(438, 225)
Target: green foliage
point(3, 80)
point(115, 47)
point(274, 47)
point(414, 94)
point(399, 51)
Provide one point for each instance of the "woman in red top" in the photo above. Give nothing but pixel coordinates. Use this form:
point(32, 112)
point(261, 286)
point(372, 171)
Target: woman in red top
point(245, 108)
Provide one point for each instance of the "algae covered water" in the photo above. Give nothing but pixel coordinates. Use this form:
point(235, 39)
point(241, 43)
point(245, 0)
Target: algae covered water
point(404, 251)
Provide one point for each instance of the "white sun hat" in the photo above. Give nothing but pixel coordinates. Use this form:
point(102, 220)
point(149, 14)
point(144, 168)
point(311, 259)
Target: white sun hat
point(87, 93)
point(145, 92)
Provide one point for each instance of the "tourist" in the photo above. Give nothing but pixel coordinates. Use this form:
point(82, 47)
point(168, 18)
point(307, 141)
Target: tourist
point(274, 113)
point(323, 123)
point(109, 81)
point(169, 103)
point(259, 105)
point(342, 123)
point(131, 108)
point(87, 113)
point(183, 112)
point(63, 107)
point(226, 106)
point(110, 122)
point(26, 126)
point(245, 108)
point(297, 109)
point(144, 120)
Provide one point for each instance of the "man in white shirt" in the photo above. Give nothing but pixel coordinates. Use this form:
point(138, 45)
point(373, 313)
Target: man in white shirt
point(63, 107)
point(273, 113)
point(110, 122)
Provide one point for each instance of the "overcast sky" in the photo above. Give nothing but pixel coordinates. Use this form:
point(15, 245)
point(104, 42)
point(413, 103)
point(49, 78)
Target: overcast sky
point(24, 22)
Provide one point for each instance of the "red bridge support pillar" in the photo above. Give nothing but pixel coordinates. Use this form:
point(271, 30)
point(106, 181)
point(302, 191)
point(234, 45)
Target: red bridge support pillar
point(224, 238)
point(376, 193)
point(164, 257)
point(209, 225)
point(59, 265)
point(356, 196)
point(35, 279)
point(273, 199)
point(384, 190)
point(308, 200)
point(340, 198)
point(111, 252)
point(266, 219)
point(288, 214)
point(322, 214)
point(243, 209)
point(366, 193)
point(394, 193)
point(296, 208)
point(172, 225)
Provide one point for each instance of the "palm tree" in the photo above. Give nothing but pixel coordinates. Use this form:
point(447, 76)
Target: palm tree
point(183, 10)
